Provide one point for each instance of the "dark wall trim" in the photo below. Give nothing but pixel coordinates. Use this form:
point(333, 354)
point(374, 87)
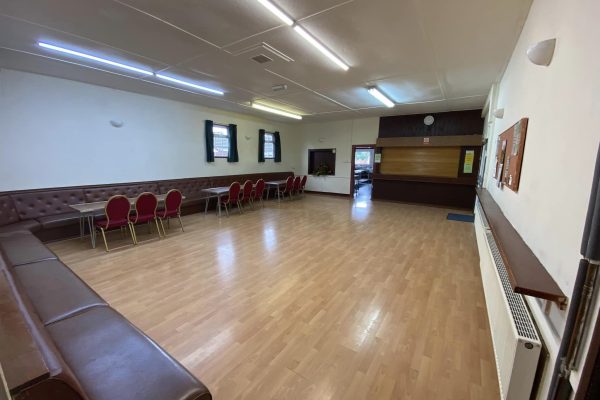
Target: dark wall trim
point(328, 193)
point(451, 123)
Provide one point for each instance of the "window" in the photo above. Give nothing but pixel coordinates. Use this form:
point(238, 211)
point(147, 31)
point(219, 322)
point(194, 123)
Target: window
point(220, 141)
point(269, 150)
point(362, 158)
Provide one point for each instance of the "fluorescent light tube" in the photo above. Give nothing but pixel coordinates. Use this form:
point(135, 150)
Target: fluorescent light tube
point(192, 85)
point(302, 32)
point(277, 11)
point(94, 58)
point(276, 111)
point(381, 97)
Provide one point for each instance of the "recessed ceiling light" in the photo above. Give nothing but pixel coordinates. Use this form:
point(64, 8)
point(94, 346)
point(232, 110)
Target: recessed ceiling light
point(192, 85)
point(302, 32)
point(381, 97)
point(94, 58)
point(277, 11)
point(276, 111)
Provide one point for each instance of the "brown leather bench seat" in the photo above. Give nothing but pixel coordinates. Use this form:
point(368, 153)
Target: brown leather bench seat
point(92, 352)
point(112, 359)
point(19, 248)
point(55, 291)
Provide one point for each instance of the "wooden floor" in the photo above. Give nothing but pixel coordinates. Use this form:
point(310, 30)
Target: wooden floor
point(318, 298)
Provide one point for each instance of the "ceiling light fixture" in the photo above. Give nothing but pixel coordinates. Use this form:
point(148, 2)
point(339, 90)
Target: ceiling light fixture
point(94, 58)
point(307, 36)
point(277, 11)
point(276, 111)
point(192, 85)
point(381, 97)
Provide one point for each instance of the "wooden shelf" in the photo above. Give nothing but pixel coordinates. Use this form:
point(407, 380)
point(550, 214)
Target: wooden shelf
point(432, 141)
point(526, 273)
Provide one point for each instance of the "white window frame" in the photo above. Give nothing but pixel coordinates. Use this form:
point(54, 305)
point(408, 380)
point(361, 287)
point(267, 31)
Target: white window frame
point(218, 134)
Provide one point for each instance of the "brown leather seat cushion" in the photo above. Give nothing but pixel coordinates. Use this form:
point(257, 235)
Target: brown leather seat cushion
point(113, 360)
point(58, 220)
point(29, 225)
point(55, 291)
point(24, 248)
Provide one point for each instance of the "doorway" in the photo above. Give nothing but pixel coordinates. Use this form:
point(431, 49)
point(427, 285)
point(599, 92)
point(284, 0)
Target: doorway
point(361, 182)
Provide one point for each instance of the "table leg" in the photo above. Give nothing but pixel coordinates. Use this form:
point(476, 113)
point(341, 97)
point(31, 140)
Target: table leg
point(278, 195)
point(81, 226)
point(90, 218)
point(206, 206)
point(219, 204)
point(268, 191)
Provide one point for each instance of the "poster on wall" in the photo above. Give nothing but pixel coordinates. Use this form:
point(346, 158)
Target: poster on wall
point(469, 158)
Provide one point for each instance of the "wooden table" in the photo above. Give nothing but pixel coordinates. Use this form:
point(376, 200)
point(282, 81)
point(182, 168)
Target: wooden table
point(88, 211)
point(276, 185)
point(21, 360)
point(215, 192)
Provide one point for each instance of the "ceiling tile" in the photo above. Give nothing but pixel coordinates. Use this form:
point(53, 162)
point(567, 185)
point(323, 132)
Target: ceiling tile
point(110, 23)
point(24, 36)
point(308, 101)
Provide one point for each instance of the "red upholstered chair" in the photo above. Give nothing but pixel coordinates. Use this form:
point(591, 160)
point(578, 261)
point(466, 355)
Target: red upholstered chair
point(303, 184)
point(296, 188)
point(172, 209)
point(246, 196)
point(232, 198)
point(116, 215)
point(289, 187)
point(259, 191)
point(145, 212)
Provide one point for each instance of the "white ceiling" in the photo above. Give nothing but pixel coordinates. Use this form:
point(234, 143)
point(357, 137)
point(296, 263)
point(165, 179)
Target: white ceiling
point(427, 55)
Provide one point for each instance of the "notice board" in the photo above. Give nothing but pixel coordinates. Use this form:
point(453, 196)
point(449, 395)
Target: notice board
point(509, 155)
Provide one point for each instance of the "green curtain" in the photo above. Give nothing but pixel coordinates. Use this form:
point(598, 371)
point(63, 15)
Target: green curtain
point(261, 145)
point(210, 152)
point(232, 156)
point(277, 142)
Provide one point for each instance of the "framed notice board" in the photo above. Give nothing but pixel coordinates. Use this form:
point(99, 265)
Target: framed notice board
point(509, 155)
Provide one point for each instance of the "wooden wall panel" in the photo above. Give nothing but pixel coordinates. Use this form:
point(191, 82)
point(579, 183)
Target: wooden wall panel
point(421, 161)
point(447, 123)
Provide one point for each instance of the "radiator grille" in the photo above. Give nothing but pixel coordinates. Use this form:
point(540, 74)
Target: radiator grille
point(515, 301)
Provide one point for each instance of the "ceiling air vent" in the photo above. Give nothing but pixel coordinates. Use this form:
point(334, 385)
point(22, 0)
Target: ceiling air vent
point(261, 59)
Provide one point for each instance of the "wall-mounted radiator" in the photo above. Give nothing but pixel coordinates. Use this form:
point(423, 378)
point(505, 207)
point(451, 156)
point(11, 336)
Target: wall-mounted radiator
point(516, 342)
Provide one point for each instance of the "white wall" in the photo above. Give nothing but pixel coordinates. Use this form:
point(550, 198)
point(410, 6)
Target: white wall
point(562, 102)
point(339, 135)
point(57, 132)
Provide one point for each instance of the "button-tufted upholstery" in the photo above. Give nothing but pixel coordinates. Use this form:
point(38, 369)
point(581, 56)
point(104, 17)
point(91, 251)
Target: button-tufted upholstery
point(8, 212)
point(47, 211)
point(36, 204)
point(103, 193)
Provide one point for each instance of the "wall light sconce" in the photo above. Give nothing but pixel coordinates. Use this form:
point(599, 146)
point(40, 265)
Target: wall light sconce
point(116, 124)
point(541, 53)
point(499, 113)
point(247, 137)
point(321, 140)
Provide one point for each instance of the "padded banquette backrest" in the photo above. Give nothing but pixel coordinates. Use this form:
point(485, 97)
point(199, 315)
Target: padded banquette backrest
point(103, 193)
point(8, 212)
point(37, 204)
point(190, 188)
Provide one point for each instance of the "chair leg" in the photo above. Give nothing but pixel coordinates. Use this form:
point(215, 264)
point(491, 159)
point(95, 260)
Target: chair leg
point(226, 209)
point(123, 232)
point(157, 227)
point(163, 227)
point(239, 207)
point(180, 223)
point(104, 237)
point(133, 234)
